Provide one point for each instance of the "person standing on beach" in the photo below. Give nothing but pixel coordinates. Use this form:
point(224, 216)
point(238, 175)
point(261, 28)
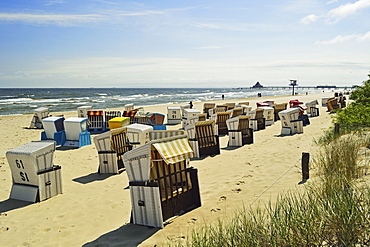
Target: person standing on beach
point(223, 97)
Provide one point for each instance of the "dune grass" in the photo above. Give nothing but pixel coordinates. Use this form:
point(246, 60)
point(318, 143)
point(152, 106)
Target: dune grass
point(334, 210)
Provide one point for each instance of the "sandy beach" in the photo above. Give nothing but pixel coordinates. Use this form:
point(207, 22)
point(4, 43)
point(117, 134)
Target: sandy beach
point(94, 209)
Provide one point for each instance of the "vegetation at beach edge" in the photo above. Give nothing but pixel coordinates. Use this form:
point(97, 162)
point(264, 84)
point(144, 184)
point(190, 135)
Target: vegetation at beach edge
point(333, 210)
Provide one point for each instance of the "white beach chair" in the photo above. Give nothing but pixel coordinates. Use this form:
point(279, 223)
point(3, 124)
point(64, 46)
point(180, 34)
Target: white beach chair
point(35, 177)
point(76, 132)
point(162, 184)
point(162, 134)
point(268, 114)
point(38, 115)
point(138, 134)
point(82, 111)
point(290, 122)
point(111, 145)
point(257, 121)
point(173, 115)
point(239, 131)
point(190, 116)
point(312, 109)
point(128, 107)
point(54, 130)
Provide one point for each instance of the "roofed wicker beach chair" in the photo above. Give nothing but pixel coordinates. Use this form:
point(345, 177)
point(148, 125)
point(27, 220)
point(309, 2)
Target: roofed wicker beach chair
point(268, 114)
point(218, 108)
point(312, 109)
point(157, 121)
point(207, 107)
point(290, 121)
point(35, 177)
point(173, 115)
point(82, 111)
point(257, 121)
point(161, 134)
point(236, 112)
point(189, 116)
point(203, 138)
point(278, 107)
point(162, 184)
point(242, 103)
point(220, 120)
point(202, 117)
point(230, 106)
point(130, 114)
point(239, 131)
point(111, 146)
point(54, 130)
point(96, 121)
point(128, 107)
point(108, 115)
point(38, 115)
point(332, 104)
point(138, 134)
point(77, 134)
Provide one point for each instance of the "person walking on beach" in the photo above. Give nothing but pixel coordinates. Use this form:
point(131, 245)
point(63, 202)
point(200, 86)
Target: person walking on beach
point(223, 97)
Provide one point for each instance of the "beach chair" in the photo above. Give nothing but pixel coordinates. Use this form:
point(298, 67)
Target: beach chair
point(239, 131)
point(332, 104)
point(220, 120)
point(157, 121)
point(96, 121)
point(312, 109)
point(290, 121)
point(257, 121)
point(82, 111)
point(203, 138)
point(138, 134)
point(130, 114)
point(38, 115)
point(294, 103)
point(230, 106)
point(173, 115)
point(183, 107)
point(323, 101)
point(161, 134)
point(118, 122)
point(76, 132)
point(278, 108)
point(54, 130)
point(189, 116)
point(128, 107)
point(162, 184)
point(108, 115)
point(111, 146)
point(35, 177)
point(242, 103)
point(218, 108)
point(207, 107)
point(268, 114)
point(202, 117)
point(237, 111)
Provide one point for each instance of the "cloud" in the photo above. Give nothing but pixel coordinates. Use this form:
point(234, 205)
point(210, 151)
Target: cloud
point(343, 38)
point(211, 47)
point(346, 10)
point(332, 1)
point(309, 19)
point(60, 20)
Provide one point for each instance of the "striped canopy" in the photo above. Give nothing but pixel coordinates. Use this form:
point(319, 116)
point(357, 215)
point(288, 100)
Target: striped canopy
point(175, 150)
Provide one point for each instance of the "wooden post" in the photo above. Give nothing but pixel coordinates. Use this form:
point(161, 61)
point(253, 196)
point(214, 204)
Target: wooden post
point(336, 129)
point(305, 168)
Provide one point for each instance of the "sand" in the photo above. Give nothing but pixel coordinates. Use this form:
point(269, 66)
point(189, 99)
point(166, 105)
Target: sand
point(94, 209)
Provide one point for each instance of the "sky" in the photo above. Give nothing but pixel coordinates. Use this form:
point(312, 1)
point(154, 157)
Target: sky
point(173, 43)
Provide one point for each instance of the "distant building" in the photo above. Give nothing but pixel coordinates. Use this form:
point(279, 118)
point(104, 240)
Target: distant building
point(257, 85)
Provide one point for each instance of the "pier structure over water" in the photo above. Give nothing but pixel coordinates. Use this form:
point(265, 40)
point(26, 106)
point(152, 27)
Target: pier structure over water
point(301, 87)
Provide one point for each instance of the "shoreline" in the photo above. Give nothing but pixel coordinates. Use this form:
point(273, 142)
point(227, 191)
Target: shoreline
point(94, 209)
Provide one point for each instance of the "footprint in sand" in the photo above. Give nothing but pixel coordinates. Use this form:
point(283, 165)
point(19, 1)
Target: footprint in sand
point(215, 210)
point(4, 229)
point(46, 230)
point(237, 190)
point(3, 214)
point(192, 221)
point(240, 182)
point(222, 198)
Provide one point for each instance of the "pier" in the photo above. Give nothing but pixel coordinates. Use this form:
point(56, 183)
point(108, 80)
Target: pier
point(301, 87)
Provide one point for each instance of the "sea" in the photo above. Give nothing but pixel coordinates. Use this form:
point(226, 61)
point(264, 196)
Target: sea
point(17, 101)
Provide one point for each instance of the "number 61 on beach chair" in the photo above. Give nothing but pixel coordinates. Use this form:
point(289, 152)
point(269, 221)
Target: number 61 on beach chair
point(35, 177)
